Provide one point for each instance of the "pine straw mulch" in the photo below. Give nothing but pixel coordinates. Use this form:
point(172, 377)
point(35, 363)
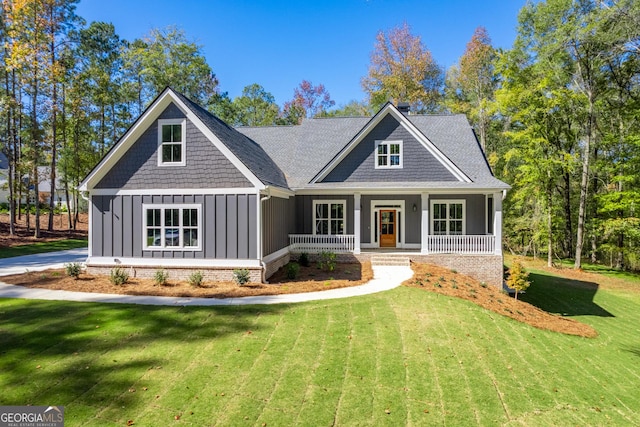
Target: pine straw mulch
point(444, 281)
point(60, 229)
point(309, 279)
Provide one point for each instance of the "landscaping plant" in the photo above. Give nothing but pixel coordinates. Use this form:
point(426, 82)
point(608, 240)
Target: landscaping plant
point(118, 276)
point(327, 261)
point(303, 259)
point(196, 279)
point(73, 269)
point(160, 277)
point(517, 279)
point(241, 276)
point(292, 270)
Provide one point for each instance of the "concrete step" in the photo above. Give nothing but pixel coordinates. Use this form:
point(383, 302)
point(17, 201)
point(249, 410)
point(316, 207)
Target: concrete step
point(390, 260)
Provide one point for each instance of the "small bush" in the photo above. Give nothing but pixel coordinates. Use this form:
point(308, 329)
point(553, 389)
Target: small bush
point(118, 276)
point(73, 269)
point(196, 279)
point(517, 279)
point(160, 277)
point(292, 269)
point(327, 261)
point(303, 259)
point(241, 276)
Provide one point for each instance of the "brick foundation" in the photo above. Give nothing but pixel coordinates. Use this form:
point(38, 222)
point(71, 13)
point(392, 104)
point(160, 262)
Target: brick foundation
point(178, 273)
point(274, 265)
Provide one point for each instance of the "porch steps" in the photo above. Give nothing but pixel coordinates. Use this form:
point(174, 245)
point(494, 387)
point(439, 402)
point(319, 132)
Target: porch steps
point(390, 260)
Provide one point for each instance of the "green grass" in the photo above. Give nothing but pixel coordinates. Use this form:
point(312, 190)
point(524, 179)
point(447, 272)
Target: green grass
point(41, 247)
point(403, 357)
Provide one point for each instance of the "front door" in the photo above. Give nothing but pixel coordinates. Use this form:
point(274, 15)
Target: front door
point(388, 228)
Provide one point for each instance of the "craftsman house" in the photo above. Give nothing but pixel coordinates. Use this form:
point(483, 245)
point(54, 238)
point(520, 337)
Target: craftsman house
point(182, 190)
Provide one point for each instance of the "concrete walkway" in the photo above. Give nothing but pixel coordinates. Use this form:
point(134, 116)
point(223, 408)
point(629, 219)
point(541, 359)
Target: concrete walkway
point(384, 278)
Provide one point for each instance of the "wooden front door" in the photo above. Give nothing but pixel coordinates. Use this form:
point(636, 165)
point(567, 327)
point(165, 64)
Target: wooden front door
point(388, 228)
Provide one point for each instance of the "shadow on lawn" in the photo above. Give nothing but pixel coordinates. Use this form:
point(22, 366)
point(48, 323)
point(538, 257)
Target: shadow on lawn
point(55, 353)
point(562, 296)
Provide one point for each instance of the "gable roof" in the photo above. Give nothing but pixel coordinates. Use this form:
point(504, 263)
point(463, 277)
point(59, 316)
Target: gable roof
point(304, 152)
point(245, 154)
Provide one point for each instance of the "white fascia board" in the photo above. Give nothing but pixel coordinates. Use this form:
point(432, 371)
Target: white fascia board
point(132, 135)
point(354, 142)
point(171, 191)
point(219, 145)
point(387, 191)
point(172, 262)
point(279, 192)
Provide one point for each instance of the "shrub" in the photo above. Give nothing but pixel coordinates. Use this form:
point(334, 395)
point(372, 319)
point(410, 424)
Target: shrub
point(303, 259)
point(292, 269)
point(196, 279)
point(160, 277)
point(118, 276)
point(518, 278)
point(241, 276)
point(327, 261)
point(73, 269)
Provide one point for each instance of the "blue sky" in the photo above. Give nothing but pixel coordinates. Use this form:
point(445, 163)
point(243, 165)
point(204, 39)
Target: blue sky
point(279, 43)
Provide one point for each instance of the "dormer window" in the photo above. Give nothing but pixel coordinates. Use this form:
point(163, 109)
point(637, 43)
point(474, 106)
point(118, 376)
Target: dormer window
point(388, 154)
point(171, 142)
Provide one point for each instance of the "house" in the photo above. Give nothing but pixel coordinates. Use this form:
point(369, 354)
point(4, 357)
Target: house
point(182, 190)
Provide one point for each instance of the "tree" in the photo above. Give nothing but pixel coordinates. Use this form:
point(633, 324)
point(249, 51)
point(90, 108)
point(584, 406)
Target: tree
point(351, 109)
point(308, 101)
point(256, 107)
point(167, 58)
point(517, 279)
point(403, 70)
point(471, 85)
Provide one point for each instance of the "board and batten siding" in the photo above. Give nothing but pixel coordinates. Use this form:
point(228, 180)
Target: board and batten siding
point(304, 212)
point(412, 226)
point(475, 213)
point(229, 226)
point(278, 221)
point(206, 166)
point(418, 164)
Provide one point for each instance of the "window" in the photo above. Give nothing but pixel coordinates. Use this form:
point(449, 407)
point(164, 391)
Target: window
point(171, 142)
point(171, 227)
point(388, 154)
point(329, 216)
point(447, 217)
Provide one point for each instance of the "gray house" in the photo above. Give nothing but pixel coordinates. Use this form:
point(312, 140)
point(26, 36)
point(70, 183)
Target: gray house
point(184, 191)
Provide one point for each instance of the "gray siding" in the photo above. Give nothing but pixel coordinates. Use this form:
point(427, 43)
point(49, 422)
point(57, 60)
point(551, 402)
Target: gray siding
point(418, 163)
point(304, 212)
point(228, 226)
point(476, 212)
point(206, 166)
point(278, 221)
point(412, 225)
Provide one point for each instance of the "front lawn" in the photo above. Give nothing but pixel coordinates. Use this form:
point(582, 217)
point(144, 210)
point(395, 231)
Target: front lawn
point(42, 247)
point(401, 357)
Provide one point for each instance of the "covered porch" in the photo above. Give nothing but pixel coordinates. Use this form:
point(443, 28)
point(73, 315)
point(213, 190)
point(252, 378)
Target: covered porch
point(420, 224)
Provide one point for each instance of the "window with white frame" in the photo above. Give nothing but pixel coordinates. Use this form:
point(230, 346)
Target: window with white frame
point(172, 226)
point(329, 216)
point(388, 154)
point(171, 142)
point(448, 217)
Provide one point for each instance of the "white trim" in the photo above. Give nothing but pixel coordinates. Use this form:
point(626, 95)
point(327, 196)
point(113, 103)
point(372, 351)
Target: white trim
point(388, 143)
point(342, 202)
point(314, 191)
point(424, 222)
point(183, 142)
point(497, 222)
point(172, 262)
point(281, 193)
point(448, 202)
point(90, 236)
point(142, 125)
point(410, 127)
point(357, 200)
point(377, 206)
point(172, 191)
point(181, 207)
point(276, 255)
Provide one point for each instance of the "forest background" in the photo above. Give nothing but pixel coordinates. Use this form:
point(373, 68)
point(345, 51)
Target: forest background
point(557, 114)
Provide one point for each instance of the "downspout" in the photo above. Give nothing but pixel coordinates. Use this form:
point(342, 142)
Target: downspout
point(262, 263)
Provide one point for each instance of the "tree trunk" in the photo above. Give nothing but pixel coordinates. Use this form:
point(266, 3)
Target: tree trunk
point(584, 185)
point(549, 229)
point(568, 223)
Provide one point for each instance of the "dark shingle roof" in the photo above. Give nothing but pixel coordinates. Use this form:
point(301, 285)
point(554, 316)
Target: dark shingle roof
point(252, 155)
point(303, 151)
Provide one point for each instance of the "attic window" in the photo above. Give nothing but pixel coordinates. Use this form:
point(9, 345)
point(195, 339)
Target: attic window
point(171, 142)
point(388, 154)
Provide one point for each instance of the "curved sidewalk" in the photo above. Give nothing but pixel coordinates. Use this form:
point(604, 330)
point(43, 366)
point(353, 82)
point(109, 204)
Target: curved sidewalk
point(384, 278)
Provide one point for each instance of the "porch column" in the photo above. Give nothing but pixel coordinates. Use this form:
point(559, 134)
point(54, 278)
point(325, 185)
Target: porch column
point(497, 222)
point(424, 237)
point(356, 223)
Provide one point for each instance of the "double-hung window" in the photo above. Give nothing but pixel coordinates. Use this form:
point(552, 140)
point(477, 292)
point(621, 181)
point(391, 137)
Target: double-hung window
point(329, 216)
point(171, 142)
point(448, 217)
point(388, 154)
point(172, 227)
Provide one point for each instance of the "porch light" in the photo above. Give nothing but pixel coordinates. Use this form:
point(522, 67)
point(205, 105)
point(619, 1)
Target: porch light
point(415, 208)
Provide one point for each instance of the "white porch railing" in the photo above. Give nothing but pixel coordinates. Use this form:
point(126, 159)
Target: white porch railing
point(454, 244)
point(342, 243)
